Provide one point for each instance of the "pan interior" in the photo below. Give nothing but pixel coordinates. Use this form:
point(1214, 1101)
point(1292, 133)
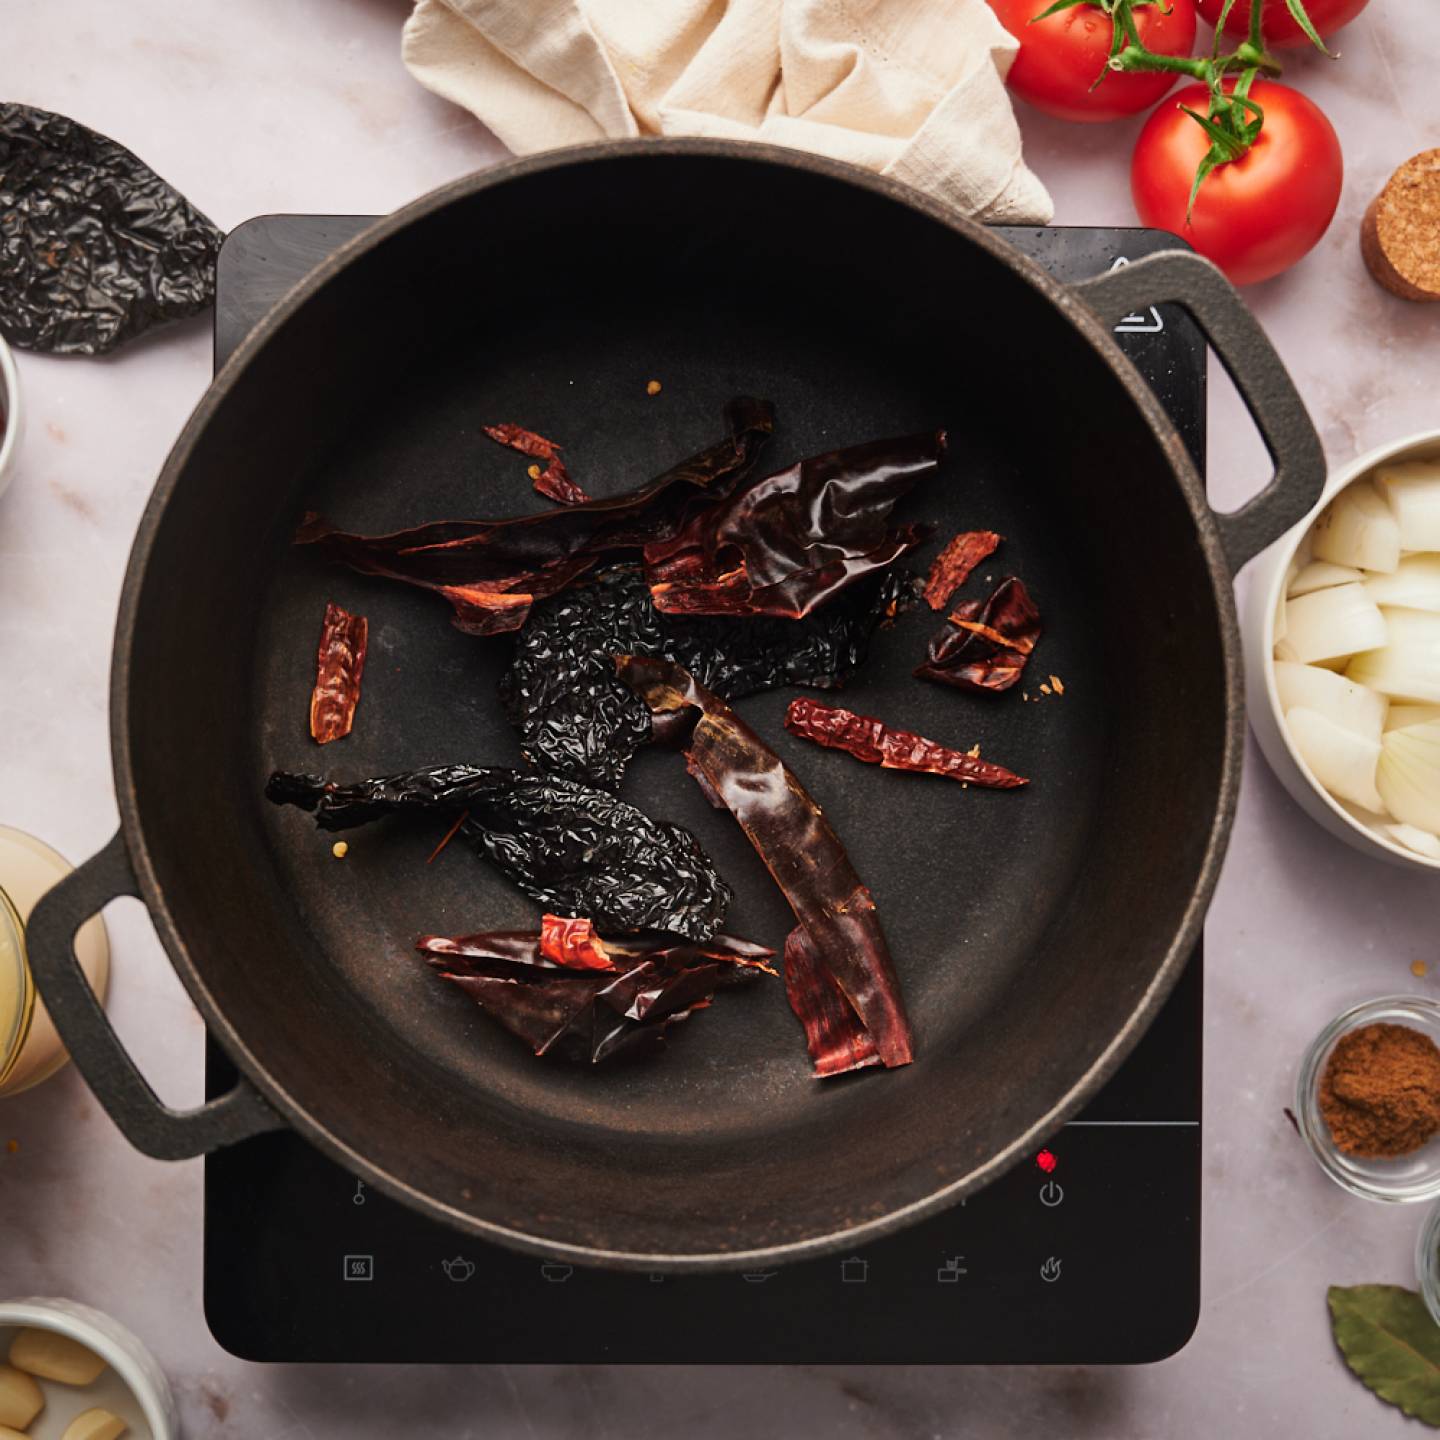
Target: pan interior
point(1026, 926)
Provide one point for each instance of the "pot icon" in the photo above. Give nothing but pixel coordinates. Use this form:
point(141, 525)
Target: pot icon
point(459, 1269)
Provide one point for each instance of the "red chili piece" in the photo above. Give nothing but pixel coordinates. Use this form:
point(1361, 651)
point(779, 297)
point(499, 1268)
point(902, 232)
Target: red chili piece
point(554, 481)
point(955, 563)
point(339, 664)
point(573, 943)
point(836, 1039)
point(877, 743)
point(793, 838)
point(986, 643)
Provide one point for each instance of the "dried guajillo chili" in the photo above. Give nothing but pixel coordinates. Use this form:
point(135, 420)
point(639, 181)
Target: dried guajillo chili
point(574, 849)
point(553, 482)
point(575, 718)
point(836, 1039)
point(985, 643)
point(491, 571)
point(956, 563)
point(339, 666)
point(788, 543)
point(738, 771)
point(877, 743)
point(568, 992)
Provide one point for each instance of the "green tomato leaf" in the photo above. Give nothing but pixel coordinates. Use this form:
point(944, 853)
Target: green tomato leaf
point(1298, 15)
point(1055, 9)
point(1389, 1340)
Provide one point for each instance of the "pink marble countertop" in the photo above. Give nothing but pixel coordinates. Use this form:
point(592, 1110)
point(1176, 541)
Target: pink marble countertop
point(303, 105)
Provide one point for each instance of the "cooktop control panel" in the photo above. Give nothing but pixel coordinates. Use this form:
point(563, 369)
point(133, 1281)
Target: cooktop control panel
point(1086, 1252)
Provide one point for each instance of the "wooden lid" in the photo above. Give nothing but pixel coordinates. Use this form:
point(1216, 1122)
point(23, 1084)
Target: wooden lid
point(1400, 234)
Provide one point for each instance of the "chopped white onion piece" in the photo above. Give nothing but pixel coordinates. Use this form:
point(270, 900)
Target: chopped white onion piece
point(1321, 575)
point(1340, 621)
point(1422, 842)
point(1399, 716)
point(1415, 585)
point(1413, 489)
point(1408, 777)
point(1340, 760)
point(1284, 650)
point(1408, 666)
point(1358, 528)
point(1351, 706)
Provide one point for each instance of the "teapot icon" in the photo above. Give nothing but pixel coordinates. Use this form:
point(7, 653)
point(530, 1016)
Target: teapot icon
point(459, 1269)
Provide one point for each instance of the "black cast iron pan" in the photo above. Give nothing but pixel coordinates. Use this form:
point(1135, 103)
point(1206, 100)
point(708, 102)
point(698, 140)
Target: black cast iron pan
point(1036, 932)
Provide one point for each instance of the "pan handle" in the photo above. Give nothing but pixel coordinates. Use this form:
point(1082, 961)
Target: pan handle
point(1192, 282)
point(148, 1124)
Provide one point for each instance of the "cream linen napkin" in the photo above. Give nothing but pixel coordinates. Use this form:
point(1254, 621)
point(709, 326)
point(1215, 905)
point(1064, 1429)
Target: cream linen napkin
point(911, 88)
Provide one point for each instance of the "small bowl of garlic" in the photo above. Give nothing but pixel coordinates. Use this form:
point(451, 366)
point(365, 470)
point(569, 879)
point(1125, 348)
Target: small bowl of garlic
point(1343, 655)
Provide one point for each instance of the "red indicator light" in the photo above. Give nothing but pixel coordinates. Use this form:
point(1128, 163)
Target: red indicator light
point(1046, 1161)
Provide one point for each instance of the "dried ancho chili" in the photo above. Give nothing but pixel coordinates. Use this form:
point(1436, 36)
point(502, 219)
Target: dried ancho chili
point(339, 664)
point(738, 771)
point(787, 543)
point(592, 1014)
point(877, 743)
point(492, 571)
point(956, 563)
point(94, 246)
point(985, 643)
point(553, 482)
point(575, 718)
point(574, 849)
point(1380, 1091)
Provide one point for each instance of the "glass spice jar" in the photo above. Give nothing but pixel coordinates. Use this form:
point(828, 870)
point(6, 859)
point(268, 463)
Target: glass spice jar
point(1415, 1176)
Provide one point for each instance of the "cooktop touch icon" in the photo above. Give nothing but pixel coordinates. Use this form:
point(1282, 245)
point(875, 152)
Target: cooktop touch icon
point(854, 1271)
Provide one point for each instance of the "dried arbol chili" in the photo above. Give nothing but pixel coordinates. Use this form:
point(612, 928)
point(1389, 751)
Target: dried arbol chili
point(836, 1039)
point(789, 542)
point(877, 743)
point(736, 769)
point(553, 482)
point(574, 849)
point(491, 571)
point(956, 563)
point(985, 643)
point(339, 665)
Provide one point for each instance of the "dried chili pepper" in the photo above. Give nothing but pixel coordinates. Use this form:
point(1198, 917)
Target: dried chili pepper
point(527, 948)
point(956, 563)
point(877, 743)
point(574, 849)
point(836, 1039)
point(985, 643)
point(553, 482)
point(491, 571)
point(738, 770)
point(572, 942)
point(94, 246)
point(339, 664)
point(575, 718)
point(592, 1015)
point(789, 542)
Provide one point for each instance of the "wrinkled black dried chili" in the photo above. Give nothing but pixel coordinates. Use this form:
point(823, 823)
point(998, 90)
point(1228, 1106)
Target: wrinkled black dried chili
point(954, 565)
point(94, 246)
point(491, 571)
point(592, 1015)
point(985, 643)
point(339, 666)
point(787, 543)
point(877, 743)
point(575, 718)
point(553, 482)
point(738, 770)
point(574, 849)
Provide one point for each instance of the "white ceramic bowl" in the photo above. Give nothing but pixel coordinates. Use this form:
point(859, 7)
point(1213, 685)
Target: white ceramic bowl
point(1266, 578)
point(142, 1396)
point(14, 413)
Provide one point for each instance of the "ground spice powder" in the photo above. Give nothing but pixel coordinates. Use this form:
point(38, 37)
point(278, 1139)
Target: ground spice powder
point(1380, 1093)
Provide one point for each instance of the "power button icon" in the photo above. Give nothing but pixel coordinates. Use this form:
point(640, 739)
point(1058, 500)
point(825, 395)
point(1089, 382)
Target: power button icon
point(1051, 1194)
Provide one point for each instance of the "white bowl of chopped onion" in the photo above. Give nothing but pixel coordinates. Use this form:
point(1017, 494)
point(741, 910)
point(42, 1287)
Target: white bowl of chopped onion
point(1343, 655)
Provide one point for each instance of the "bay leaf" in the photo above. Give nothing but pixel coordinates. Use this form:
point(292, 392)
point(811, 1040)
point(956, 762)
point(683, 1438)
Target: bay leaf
point(1389, 1340)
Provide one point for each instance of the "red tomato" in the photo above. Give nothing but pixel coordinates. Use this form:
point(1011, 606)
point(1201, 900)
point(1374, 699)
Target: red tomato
point(1278, 25)
point(1061, 57)
point(1254, 216)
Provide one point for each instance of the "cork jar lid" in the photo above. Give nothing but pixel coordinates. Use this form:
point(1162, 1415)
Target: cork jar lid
point(1400, 235)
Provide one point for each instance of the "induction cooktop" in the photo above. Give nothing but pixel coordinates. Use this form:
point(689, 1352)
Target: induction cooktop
point(1087, 1253)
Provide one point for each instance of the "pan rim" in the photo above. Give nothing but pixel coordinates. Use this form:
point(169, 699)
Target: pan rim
point(1083, 1087)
